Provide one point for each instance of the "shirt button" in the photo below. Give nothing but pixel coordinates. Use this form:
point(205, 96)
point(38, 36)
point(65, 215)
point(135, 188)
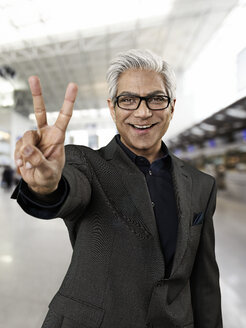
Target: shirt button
point(153, 204)
point(150, 172)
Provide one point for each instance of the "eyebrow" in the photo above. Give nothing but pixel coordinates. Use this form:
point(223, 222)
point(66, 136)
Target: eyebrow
point(153, 93)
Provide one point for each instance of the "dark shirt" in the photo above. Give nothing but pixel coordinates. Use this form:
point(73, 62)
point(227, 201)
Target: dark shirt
point(159, 180)
point(160, 186)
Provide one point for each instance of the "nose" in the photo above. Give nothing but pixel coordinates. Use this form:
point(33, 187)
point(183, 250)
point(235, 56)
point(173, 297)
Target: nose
point(143, 111)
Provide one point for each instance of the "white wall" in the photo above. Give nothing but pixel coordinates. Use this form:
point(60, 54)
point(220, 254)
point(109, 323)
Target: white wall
point(211, 83)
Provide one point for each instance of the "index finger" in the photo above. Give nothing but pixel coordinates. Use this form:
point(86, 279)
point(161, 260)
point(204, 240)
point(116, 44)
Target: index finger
point(38, 101)
point(67, 107)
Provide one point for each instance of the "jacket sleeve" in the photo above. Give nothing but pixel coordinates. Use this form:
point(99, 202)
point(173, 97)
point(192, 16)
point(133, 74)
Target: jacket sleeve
point(78, 174)
point(204, 282)
point(41, 207)
point(71, 197)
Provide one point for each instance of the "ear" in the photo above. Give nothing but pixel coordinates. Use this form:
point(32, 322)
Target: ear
point(111, 108)
point(172, 107)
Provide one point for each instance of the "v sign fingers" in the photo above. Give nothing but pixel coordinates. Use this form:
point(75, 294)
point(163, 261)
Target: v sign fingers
point(38, 101)
point(67, 107)
point(40, 154)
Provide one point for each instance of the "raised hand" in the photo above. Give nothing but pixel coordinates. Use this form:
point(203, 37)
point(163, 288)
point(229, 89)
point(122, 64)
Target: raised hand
point(39, 154)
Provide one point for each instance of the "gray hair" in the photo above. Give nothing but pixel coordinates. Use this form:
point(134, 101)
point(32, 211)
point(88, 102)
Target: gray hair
point(140, 59)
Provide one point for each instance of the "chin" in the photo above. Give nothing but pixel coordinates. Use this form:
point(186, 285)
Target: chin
point(141, 145)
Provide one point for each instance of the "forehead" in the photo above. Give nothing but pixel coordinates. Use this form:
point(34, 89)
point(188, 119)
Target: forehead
point(140, 81)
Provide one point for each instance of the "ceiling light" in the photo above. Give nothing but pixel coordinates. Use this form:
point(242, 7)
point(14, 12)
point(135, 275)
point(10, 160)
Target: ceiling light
point(208, 127)
point(6, 259)
point(237, 112)
point(197, 131)
point(220, 117)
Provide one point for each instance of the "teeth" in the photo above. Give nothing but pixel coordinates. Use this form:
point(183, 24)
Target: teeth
point(142, 126)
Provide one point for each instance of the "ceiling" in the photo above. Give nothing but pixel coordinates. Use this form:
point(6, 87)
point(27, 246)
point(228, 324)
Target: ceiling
point(221, 129)
point(83, 55)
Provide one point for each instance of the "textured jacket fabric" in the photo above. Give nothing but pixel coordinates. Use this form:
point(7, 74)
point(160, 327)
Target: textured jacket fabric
point(116, 275)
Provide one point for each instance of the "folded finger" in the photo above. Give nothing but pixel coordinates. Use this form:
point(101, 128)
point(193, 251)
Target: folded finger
point(33, 158)
point(17, 154)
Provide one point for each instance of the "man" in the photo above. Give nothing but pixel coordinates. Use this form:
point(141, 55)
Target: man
point(139, 219)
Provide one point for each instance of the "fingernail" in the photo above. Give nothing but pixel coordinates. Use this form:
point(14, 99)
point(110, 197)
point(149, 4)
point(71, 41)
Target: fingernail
point(28, 165)
point(19, 162)
point(27, 150)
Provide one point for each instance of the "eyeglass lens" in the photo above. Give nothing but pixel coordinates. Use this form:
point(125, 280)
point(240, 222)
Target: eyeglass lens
point(133, 102)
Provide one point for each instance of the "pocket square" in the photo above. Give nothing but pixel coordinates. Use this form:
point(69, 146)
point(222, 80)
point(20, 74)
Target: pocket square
point(198, 218)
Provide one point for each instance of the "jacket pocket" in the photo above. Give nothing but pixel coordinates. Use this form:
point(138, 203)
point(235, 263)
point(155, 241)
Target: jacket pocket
point(79, 311)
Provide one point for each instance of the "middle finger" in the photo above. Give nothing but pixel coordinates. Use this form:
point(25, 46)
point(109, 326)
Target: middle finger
point(67, 107)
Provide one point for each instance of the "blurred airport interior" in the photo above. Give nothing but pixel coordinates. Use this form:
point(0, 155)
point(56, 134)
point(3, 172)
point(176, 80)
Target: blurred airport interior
point(61, 42)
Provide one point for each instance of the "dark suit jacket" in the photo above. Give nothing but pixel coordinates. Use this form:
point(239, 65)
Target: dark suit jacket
point(116, 276)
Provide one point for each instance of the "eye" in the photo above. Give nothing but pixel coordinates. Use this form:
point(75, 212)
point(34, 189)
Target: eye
point(127, 100)
point(157, 99)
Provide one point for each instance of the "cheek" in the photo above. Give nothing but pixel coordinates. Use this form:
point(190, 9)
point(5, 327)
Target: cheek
point(167, 118)
point(165, 121)
point(121, 118)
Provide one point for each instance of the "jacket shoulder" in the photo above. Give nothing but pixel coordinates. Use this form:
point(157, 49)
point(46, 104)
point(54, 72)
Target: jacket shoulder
point(78, 153)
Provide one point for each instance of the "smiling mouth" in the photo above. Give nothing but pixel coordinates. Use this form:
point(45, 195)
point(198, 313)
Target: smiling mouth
point(142, 127)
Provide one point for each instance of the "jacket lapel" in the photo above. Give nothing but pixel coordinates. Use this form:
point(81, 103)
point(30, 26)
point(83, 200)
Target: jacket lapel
point(182, 187)
point(134, 187)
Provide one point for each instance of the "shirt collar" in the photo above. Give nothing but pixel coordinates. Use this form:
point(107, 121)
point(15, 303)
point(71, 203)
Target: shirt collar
point(135, 158)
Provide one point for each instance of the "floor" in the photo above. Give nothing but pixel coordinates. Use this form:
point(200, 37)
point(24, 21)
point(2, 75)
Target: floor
point(34, 255)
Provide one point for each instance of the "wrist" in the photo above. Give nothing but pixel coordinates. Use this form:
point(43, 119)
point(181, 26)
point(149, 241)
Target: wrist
point(42, 192)
point(48, 199)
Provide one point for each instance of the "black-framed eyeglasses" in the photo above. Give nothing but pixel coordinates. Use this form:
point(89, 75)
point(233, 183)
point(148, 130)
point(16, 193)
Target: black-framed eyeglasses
point(153, 102)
